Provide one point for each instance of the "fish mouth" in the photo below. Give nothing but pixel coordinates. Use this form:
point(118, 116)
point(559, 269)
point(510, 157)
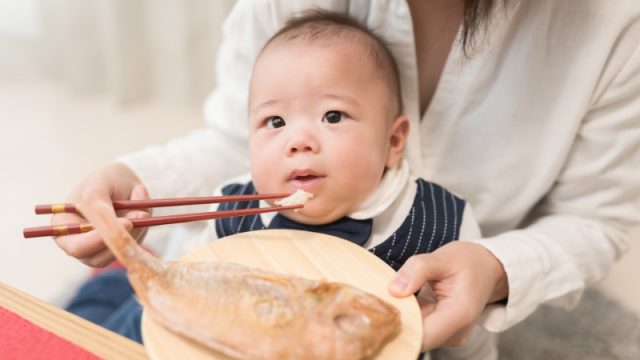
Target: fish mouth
point(305, 179)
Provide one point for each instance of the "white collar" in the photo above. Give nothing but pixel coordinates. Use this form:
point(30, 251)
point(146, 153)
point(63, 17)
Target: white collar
point(392, 183)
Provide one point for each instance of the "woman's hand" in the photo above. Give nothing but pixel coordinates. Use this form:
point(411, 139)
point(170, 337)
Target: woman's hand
point(464, 277)
point(113, 182)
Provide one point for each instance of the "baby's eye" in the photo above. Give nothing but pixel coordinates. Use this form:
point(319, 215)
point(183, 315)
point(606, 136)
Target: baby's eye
point(332, 117)
point(274, 122)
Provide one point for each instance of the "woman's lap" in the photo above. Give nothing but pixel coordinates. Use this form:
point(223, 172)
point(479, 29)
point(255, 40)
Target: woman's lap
point(107, 300)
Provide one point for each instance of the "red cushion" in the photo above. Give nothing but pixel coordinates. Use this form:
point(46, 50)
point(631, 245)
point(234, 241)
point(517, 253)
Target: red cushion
point(22, 339)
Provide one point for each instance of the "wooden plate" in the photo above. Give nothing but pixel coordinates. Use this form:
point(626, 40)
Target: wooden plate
point(304, 254)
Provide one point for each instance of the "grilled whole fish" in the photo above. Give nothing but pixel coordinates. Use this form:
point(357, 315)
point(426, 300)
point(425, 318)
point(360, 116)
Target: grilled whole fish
point(247, 313)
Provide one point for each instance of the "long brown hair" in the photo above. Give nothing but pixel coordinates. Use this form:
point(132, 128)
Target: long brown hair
point(475, 19)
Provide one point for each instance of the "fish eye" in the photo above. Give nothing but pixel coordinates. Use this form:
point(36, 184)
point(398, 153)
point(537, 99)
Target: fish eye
point(352, 323)
point(332, 117)
point(274, 122)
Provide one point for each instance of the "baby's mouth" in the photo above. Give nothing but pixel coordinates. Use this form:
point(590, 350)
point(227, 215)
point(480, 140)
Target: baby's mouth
point(305, 180)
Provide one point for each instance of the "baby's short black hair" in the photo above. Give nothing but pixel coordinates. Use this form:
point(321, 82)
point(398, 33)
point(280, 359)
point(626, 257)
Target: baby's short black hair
point(317, 24)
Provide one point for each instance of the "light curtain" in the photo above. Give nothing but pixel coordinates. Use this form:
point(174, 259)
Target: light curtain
point(130, 50)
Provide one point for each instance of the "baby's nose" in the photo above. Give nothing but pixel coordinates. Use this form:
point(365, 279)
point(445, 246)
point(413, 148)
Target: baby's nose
point(304, 143)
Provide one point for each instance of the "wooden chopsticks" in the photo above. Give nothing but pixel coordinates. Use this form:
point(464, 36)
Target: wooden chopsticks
point(67, 229)
point(143, 204)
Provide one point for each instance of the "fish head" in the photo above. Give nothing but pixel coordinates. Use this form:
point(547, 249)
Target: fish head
point(353, 319)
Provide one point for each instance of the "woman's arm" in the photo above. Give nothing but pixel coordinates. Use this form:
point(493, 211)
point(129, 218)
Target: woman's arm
point(580, 228)
point(570, 239)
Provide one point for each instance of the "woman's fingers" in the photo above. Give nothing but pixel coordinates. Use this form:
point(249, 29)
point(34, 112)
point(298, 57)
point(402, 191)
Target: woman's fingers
point(101, 258)
point(443, 318)
point(448, 324)
point(81, 246)
point(139, 192)
point(114, 182)
point(414, 274)
point(463, 277)
point(89, 247)
point(95, 194)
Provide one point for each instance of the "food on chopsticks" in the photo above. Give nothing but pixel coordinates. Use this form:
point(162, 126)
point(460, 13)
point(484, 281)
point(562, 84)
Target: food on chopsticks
point(247, 313)
point(300, 197)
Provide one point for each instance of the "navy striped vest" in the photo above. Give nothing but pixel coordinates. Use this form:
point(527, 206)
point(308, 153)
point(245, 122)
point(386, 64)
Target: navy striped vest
point(434, 220)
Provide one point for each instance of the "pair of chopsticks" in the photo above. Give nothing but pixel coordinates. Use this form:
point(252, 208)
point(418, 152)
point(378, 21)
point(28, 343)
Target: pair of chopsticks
point(67, 229)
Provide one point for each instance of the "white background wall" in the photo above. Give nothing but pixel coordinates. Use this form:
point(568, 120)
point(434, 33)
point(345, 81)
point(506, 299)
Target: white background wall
point(19, 18)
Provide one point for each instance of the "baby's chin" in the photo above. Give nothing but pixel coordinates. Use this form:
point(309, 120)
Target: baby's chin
point(311, 216)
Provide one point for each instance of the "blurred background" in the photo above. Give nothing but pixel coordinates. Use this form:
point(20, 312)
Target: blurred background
point(82, 82)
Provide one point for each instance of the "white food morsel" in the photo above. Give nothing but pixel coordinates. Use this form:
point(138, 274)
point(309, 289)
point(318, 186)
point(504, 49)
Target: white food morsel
point(300, 197)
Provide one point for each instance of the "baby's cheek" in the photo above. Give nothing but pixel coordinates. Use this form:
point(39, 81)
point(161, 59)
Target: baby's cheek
point(358, 181)
point(365, 175)
point(261, 179)
point(362, 165)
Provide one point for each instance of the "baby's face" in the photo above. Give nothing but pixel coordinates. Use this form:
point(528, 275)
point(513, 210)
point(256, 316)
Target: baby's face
point(321, 120)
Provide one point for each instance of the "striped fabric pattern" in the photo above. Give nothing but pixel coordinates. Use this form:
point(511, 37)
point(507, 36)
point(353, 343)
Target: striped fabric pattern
point(434, 220)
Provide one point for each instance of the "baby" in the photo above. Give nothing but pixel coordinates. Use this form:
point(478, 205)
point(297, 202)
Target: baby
point(325, 116)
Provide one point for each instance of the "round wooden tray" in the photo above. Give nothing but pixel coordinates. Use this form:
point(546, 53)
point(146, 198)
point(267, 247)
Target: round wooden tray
point(305, 254)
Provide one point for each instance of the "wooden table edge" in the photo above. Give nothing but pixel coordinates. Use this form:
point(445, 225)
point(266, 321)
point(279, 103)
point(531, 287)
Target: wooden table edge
point(85, 334)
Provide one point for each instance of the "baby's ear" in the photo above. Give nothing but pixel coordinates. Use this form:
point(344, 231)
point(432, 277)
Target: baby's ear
point(397, 140)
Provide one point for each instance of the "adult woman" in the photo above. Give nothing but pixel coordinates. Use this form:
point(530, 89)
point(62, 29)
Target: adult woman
point(524, 125)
